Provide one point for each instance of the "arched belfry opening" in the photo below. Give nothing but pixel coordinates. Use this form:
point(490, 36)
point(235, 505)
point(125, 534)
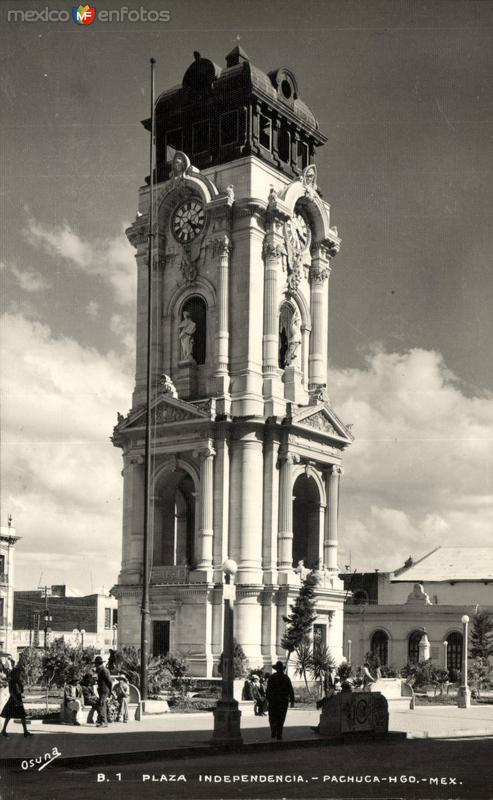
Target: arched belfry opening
point(174, 521)
point(306, 522)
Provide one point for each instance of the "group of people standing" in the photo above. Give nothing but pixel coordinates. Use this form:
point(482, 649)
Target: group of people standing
point(94, 690)
point(273, 693)
point(97, 691)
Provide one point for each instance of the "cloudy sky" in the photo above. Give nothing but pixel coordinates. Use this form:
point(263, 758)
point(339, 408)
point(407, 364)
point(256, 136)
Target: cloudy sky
point(403, 91)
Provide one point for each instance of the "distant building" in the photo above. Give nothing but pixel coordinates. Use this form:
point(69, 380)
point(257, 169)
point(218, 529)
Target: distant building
point(8, 539)
point(386, 613)
point(89, 620)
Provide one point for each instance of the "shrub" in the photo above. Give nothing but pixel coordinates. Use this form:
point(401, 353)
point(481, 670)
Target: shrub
point(30, 660)
point(239, 661)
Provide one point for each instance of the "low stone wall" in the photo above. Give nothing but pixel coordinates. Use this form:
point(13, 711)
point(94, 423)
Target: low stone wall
point(397, 692)
point(354, 712)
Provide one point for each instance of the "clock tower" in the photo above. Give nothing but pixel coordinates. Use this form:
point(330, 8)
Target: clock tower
point(246, 449)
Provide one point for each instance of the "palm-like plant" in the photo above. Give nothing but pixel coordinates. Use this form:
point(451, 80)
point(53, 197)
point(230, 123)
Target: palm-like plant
point(322, 662)
point(304, 660)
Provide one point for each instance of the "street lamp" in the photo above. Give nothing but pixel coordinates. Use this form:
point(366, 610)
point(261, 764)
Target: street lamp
point(349, 651)
point(227, 714)
point(445, 658)
point(464, 693)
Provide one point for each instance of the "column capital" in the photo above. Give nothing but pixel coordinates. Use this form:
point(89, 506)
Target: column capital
point(334, 469)
point(288, 457)
point(221, 246)
point(272, 251)
point(204, 453)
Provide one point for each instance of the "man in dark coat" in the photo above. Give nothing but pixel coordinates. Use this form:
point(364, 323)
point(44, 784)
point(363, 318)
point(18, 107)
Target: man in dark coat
point(279, 694)
point(104, 690)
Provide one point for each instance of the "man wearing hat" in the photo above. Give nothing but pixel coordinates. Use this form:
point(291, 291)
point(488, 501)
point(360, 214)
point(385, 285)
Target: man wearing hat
point(104, 690)
point(279, 694)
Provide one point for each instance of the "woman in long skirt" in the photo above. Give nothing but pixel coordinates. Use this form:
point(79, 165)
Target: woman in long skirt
point(14, 707)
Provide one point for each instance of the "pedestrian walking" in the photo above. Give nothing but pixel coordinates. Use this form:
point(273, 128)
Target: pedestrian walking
point(104, 690)
point(279, 695)
point(14, 707)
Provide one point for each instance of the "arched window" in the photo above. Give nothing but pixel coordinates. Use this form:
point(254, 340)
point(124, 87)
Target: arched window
point(193, 336)
point(454, 651)
point(360, 597)
point(413, 647)
point(379, 647)
point(306, 522)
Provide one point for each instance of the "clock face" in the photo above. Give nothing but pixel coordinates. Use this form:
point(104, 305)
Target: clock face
point(188, 220)
point(297, 233)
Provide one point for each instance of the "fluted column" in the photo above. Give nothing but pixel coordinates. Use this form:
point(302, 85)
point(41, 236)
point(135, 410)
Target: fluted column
point(206, 525)
point(273, 253)
point(331, 518)
point(221, 250)
point(250, 511)
point(319, 306)
point(285, 536)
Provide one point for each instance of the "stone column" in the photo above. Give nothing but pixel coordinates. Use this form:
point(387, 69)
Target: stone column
point(270, 508)
point(250, 532)
point(206, 525)
point(221, 249)
point(221, 502)
point(285, 535)
point(319, 306)
point(331, 518)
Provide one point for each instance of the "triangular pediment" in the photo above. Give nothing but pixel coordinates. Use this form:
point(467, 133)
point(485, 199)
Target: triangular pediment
point(324, 420)
point(166, 409)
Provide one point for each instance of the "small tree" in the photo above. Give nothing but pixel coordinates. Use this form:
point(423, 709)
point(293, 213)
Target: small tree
point(482, 635)
point(478, 673)
point(303, 615)
point(30, 661)
point(239, 661)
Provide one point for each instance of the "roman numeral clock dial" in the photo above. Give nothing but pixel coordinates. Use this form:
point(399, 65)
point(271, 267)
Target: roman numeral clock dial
point(188, 221)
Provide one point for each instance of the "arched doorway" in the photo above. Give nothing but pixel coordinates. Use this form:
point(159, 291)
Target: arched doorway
point(379, 647)
point(306, 522)
point(174, 521)
point(454, 651)
point(413, 646)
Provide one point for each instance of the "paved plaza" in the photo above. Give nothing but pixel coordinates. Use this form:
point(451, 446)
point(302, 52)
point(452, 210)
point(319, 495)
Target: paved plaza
point(191, 733)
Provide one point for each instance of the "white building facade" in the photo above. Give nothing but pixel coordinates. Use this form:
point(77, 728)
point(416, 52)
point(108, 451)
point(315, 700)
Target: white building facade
point(246, 449)
point(8, 540)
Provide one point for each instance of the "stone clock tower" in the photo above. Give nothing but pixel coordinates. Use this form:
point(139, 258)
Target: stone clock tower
point(246, 449)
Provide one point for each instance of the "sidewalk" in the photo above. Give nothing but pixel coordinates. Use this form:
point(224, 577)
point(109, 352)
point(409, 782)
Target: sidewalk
point(175, 735)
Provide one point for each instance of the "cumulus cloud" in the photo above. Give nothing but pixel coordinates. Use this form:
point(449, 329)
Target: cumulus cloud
point(92, 309)
point(111, 259)
point(61, 475)
point(420, 472)
point(30, 280)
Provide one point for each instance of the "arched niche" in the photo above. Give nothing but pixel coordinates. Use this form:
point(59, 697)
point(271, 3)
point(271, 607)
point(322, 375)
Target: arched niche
point(306, 521)
point(294, 305)
point(192, 330)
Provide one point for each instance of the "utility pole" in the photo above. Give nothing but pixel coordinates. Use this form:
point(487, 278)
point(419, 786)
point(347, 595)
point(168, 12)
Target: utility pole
point(47, 618)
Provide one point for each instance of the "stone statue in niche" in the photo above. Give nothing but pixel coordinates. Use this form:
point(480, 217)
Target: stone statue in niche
point(294, 339)
point(187, 328)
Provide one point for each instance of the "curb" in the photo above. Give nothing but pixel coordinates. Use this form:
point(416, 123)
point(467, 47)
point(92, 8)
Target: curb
point(94, 759)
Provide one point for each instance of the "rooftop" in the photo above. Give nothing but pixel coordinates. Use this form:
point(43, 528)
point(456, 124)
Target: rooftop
point(449, 564)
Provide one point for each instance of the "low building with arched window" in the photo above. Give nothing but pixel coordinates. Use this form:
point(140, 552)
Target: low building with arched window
point(387, 613)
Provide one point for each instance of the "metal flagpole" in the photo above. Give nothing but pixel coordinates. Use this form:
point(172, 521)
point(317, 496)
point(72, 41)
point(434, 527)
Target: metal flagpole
point(144, 644)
